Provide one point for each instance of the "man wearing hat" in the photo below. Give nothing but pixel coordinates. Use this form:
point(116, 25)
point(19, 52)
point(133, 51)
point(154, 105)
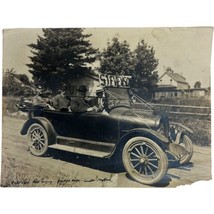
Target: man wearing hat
point(100, 101)
point(80, 104)
point(61, 101)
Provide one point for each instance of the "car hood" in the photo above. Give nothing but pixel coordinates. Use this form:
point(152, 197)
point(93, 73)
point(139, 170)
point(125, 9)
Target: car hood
point(131, 118)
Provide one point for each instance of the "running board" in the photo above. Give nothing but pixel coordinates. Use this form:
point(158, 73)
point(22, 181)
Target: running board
point(83, 146)
point(80, 150)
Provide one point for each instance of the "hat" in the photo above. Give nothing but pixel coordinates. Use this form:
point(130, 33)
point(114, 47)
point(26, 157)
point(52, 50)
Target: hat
point(99, 89)
point(63, 87)
point(82, 88)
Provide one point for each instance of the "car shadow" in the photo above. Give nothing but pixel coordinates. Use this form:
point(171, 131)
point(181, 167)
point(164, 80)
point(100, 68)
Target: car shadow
point(164, 182)
point(167, 179)
point(169, 176)
point(110, 165)
point(177, 165)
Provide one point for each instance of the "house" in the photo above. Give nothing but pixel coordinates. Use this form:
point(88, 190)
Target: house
point(198, 92)
point(166, 91)
point(170, 78)
point(171, 84)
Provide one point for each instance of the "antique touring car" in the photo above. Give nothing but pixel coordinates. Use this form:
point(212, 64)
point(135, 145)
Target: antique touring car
point(144, 140)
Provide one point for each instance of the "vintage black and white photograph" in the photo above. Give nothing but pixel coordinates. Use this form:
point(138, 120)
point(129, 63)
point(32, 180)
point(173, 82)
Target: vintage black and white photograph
point(106, 107)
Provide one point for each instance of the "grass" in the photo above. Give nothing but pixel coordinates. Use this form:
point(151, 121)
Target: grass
point(9, 104)
point(201, 128)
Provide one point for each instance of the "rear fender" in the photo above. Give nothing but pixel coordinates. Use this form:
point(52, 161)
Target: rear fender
point(44, 123)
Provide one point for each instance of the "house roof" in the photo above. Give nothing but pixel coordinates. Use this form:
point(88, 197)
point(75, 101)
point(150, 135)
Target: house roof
point(175, 76)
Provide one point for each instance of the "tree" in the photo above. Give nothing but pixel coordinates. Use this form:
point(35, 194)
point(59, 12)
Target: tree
point(59, 55)
point(15, 84)
point(144, 76)
point(141, 63)
point(23, 78)
point(197, 84)
point(169, 69)
point(10, 86)
point(116, 59)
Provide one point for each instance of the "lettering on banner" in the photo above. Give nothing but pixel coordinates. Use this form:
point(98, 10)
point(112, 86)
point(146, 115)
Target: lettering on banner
point(114, 81)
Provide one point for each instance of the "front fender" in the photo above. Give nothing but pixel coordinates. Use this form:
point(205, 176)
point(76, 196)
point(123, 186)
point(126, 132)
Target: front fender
point(158, 138)
point(45, 123)
point(150, 133)
point(181, 126)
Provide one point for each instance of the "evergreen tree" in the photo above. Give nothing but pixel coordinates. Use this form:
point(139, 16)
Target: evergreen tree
point(116, 59)
point(60, 54)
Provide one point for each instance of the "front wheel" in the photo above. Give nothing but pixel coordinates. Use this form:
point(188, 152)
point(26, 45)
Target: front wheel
point(187, 144)
point(144, 160)
point(37, 140)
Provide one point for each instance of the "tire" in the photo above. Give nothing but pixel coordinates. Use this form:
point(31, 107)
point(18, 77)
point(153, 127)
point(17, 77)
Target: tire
point(144, 160)
point(37, 140)
point(187, 144)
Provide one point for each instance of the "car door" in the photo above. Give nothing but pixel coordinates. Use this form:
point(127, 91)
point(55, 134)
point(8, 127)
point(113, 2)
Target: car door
point(97, 126)
point(88, 126)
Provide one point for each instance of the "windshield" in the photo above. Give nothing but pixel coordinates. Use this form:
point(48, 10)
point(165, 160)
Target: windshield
point(117, 97)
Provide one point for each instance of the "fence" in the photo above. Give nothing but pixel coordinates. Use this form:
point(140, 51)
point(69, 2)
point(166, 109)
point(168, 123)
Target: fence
point(177, 109)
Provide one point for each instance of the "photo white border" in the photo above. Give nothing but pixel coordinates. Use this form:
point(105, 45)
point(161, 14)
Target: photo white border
point(110, 13)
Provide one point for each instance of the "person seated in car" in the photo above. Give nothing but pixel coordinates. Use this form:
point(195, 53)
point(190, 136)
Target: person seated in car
point(80, 104)
point(61, 101)
point(38, 99)
point(49, 102)
point(100, 101)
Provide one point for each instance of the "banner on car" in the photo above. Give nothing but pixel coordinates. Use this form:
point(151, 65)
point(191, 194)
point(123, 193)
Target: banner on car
point(118, 81)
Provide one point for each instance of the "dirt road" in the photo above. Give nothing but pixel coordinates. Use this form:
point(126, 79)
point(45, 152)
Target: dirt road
point(63, 169)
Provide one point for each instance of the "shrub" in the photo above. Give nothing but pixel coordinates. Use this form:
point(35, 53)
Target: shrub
point(201, 128)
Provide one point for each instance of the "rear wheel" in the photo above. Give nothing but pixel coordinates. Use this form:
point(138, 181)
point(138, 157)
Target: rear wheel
point(144, 160)
point(37, 139)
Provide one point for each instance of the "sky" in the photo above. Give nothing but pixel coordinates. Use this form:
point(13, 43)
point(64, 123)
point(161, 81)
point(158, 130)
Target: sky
point(186, 50)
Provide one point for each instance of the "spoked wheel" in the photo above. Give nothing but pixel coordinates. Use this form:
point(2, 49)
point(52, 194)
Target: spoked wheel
point(187, 144)
point(144, 160)
point(38, 140)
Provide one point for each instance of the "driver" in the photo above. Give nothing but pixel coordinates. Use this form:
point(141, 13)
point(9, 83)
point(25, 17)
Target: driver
point(80, 104)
